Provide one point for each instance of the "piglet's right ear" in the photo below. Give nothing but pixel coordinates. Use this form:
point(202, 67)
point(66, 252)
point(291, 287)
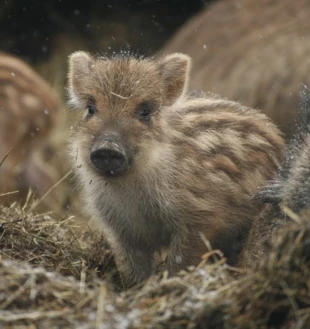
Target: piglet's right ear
point(80, 64)
point(174, 70)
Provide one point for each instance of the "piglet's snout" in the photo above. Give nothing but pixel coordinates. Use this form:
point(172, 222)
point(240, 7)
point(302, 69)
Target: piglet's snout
point(109, 158)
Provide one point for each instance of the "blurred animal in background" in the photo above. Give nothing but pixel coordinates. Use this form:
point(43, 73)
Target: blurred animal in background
point(28, 113)
point(252, 51)
point(159, 167)
point(289, 192)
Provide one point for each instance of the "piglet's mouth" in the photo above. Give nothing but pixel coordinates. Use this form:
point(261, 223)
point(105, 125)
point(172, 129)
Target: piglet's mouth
point(115, 173)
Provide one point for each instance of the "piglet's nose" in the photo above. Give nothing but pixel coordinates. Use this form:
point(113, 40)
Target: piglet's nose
point(109, 158)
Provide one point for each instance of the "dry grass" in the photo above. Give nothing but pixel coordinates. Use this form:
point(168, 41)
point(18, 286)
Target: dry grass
point(57, 245)
point(53, 278)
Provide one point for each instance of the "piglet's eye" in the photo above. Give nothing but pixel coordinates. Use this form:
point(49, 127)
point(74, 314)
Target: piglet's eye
point(91, 108)
point(145, 110)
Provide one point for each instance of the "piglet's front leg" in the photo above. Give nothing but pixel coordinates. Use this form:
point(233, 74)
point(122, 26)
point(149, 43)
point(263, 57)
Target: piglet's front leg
point(135, 265)
point(183, 252)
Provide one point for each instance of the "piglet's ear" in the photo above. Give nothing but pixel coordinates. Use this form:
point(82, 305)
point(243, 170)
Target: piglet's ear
point(80, 64)
point(174, 70)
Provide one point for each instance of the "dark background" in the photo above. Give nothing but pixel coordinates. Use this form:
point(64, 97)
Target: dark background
point(30, 28)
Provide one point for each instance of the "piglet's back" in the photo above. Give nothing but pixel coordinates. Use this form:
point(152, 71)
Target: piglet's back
point(223, 153)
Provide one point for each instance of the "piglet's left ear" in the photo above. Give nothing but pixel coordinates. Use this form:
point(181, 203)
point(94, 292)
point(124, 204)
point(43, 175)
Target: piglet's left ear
point(174, 70)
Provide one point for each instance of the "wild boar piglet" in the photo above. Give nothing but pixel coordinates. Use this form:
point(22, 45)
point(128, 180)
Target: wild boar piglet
point(159, 167)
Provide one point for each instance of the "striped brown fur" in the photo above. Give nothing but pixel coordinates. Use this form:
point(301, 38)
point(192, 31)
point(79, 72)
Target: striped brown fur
point(28, 110)
point(195, 164)
point(252, 51)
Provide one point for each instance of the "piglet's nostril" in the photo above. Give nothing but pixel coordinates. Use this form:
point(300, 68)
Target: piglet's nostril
point(109, 161)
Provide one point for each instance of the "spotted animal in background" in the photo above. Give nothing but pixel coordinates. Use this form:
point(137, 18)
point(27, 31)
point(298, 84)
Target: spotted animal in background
point(28, 112)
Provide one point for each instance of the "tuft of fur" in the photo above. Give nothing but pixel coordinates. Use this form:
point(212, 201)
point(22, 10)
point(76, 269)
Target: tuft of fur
point(290, 189)
point(28, 111)
point(195, 164)
point(253, 52)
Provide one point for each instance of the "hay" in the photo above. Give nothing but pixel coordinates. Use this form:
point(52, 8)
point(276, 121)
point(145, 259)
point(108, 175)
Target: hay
point(276, 292)
point(53, 278)
point(33, 296)
point(58, 245)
